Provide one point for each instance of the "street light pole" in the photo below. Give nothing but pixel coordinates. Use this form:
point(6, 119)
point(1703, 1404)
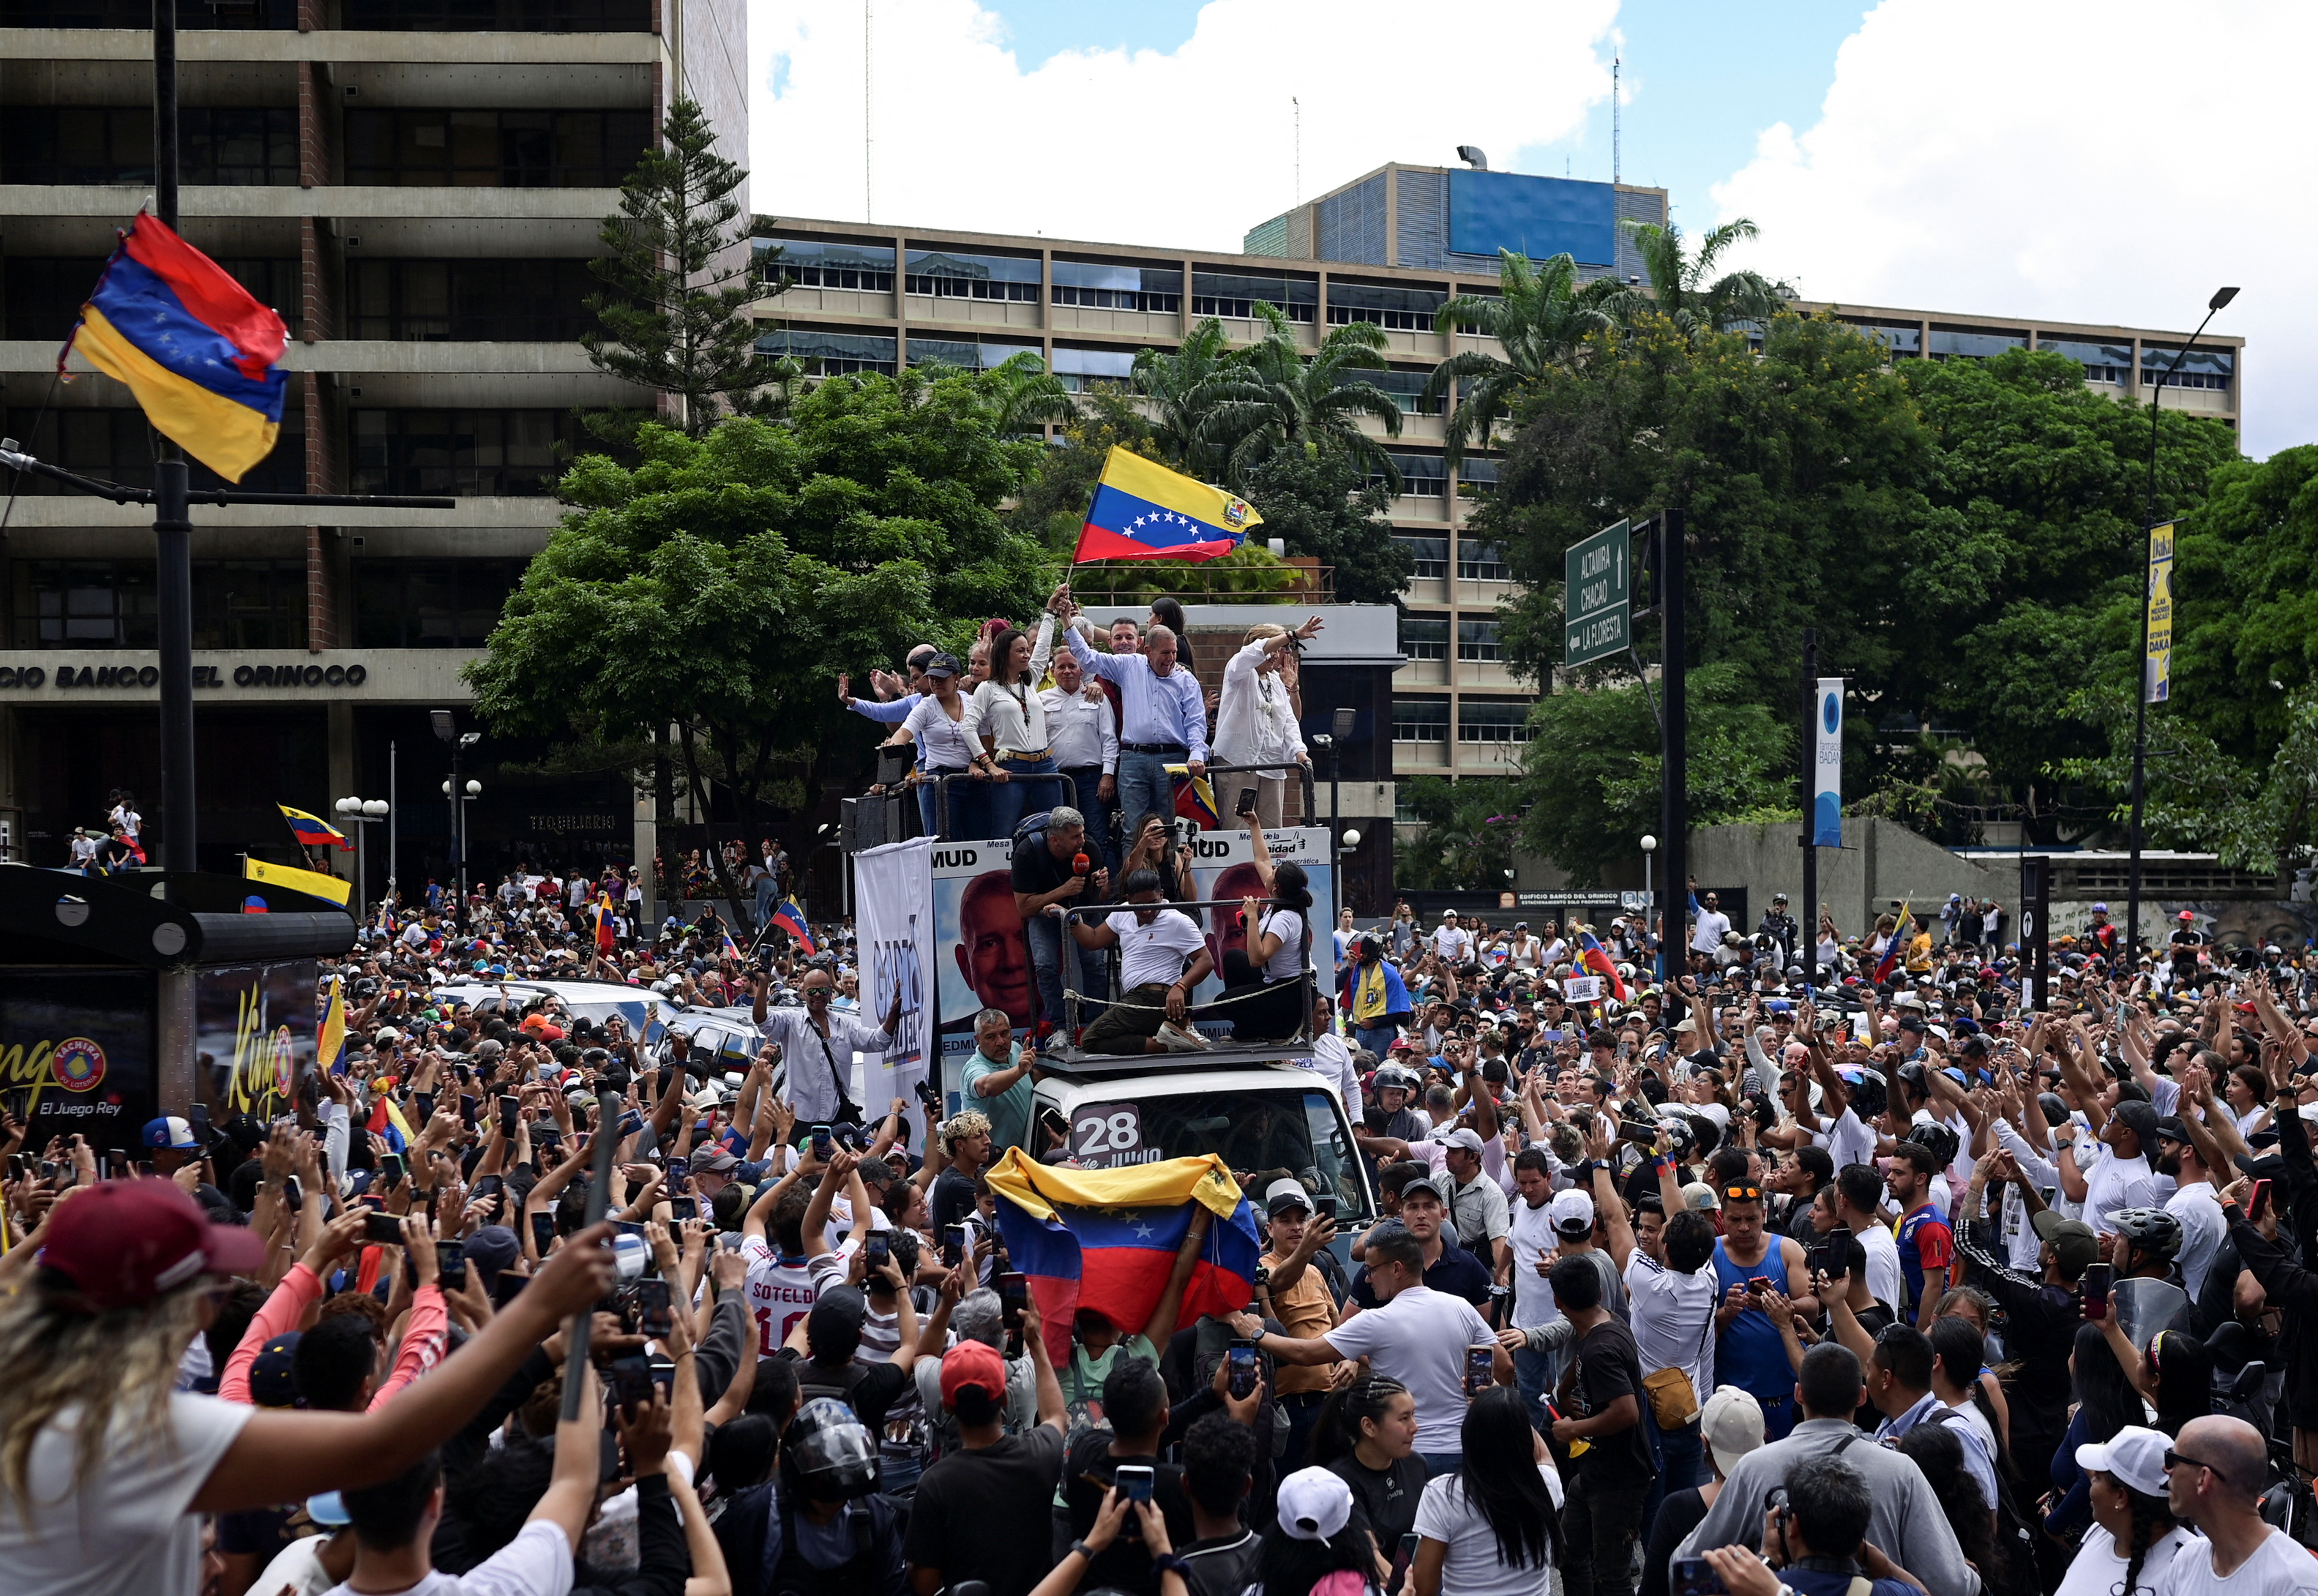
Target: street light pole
point(2222, 297)
point(173, 535)
point(1650, 903)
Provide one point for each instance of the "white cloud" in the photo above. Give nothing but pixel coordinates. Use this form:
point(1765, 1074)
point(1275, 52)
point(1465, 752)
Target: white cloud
point(2110, 161)
point(1188, 148)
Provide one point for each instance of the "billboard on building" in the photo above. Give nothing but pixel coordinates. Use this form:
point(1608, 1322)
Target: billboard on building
point(76, 1054)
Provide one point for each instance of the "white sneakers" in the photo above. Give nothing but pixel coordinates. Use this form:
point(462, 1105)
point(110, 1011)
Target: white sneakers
point(1182, 1038)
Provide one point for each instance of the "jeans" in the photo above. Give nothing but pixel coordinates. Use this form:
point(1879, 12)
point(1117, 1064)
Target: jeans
point(1437, 1464)
point(1006, 802)
point(1145, 787)
point(1534, 1374)
point(1681, 1461)
point(1378, 1040)
point(1600, 1528)
point(964, 804)
point(764, 901)
point(1088, 800)
point(1302, 1408)
point(1048, 939)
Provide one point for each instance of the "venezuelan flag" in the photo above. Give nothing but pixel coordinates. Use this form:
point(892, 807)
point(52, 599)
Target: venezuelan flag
point(386, 1120)
point(330, 1051)
point(789, 918)
point(1597, 958)
point(1144, 511)
point(1898, 950)
point(1195, 797)
point(604, 935)
point(198, 353)
point(313, 830)
point(1107, 1239)
point(729, 950)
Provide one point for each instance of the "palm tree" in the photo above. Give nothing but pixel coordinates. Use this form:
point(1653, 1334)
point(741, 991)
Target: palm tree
point(1024, 394)
point(1540, 321)
point(1272, 398)
point(1181, 384)
point(1679, 285)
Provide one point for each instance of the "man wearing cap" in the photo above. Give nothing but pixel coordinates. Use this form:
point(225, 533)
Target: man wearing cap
point(2118, 1176)
point(171, 1142)
point(1476, 1202)
point(1452, 945)
point(2194, 1203)
point(1300, 1300)
point(1448, 1267)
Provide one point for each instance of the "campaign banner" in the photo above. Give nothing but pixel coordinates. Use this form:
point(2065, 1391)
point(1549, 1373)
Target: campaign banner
point(893, 899)
point(255, 1036)
point(2157, 661)
point(1827, 767)
point(983, 957)
point(77, 1055)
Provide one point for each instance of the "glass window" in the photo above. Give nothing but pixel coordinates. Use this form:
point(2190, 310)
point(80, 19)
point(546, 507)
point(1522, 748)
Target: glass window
point(1078, 368)
point(410, 604)
point(967, 354)
point(946, 274)
point(494, 149)
point(1422, 475)
point(469, 301)
point(827, 354)
point(1283, 1128)
point(1424, 637)
point(1236, 293)
point(236, 604)
point(1476, 639)
point(1901, 339)
point(1477, 562)
point(509, 452)
point(2103, 362)
point(139, 14)
point(249, 604)
point(115, 446)
point(1396, 310)
point(1153, 290)
point(819, 263)
point(1492, 720)
point(501, 16)
point(1420, 720)
point(1406, 388)
point(99, 144)
point(1949, 343)
point(1477, 477)
point(2202, 368)
point(1432, 554)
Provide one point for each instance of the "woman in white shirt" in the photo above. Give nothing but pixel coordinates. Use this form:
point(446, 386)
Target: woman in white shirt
point(1011, 722)
point(1256, 722)
point(1494, 1527)
point(1263, 984)
point(945, 748)
point(2134, 1538)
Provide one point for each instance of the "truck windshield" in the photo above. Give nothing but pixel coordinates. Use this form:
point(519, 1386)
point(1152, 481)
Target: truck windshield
point(1255, 1133)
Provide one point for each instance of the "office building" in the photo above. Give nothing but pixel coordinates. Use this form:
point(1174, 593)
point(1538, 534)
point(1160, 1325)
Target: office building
point(416, 186)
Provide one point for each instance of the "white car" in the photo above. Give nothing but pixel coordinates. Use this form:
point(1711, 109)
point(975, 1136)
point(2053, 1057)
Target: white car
point(646, 1011)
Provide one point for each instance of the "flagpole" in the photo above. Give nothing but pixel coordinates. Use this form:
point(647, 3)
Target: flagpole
point(173, 554)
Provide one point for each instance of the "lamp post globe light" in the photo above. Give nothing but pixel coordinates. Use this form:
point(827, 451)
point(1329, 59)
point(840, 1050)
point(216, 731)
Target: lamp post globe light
point(1649, 900)
point(363, 813)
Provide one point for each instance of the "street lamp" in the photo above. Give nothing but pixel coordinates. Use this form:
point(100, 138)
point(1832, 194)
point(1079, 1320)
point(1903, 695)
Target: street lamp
point(2222, 297)
point(364, 812)
point(1649, 900)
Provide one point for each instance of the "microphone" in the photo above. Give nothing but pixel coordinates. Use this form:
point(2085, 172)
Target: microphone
point(1081, 863)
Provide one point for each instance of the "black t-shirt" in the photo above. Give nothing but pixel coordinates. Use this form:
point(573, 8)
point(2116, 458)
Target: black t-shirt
point(951, 1201)
point(1124, 1564)
point(1387, 1497)
point(868, 1388)
point(1681, 1512)
point(988, 1514)
point(1609, 1366)
point(1037, 870)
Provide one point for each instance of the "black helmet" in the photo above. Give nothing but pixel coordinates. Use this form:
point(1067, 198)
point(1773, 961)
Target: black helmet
point(1943, 1142)
point(2151, 1231)
point(828, 1455)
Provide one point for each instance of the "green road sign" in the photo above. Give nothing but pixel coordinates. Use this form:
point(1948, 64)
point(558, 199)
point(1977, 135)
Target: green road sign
point(1596, 603)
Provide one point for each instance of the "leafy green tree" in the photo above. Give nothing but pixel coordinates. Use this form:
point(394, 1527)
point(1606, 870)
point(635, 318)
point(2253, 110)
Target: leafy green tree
point(1181, 385)
point(1541, 320)
point(2246, 596)
point(1683, 288)
point(1273, 397)
point(1025, 396)
point(1322, 506)
point(1472, 827)
point(1053, 504)
point(720, 584)
point(1591, 772)
point(678, 274)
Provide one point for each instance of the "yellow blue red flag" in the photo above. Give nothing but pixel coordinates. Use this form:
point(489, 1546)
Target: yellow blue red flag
point(200, 356)
point(330, 1048)
point(1144, 511)
point(1106, 1239)
point(313, 830)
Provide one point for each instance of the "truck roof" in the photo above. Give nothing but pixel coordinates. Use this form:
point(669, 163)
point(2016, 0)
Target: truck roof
point(1225, 1055)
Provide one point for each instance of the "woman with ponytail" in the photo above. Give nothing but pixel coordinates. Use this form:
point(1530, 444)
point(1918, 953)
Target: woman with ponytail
point(1366, 1433)
point(2134, 1538)
point(1263, 986)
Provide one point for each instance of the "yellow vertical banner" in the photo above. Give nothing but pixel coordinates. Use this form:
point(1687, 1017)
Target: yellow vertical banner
point(2157, 664)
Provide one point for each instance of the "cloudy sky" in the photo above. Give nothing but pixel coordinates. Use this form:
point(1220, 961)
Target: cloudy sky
point(2109, 161)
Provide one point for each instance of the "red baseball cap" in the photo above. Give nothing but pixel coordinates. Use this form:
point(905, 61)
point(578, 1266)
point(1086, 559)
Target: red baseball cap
point(124, 1242)
point(973, 1363)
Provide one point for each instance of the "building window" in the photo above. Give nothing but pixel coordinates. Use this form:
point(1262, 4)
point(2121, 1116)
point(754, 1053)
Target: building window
point(485, 452)
point(1477, 640)
point(1475, 478)
point(831, 354)
point(447, 604)
point(1959, 343)
point(469, 301)
point(237, 603)
point(1150, 290)
point(948, 275)
point(1395, 309)
point(1235, 295)
point(1422, 475)
point(113, 144)
point(494, 149)
point(1432, 555)
point(41, 298)
point(1406, 388)
point(1477, 562)
point(1080, 369)
point(139, 14)
point(1424, 637)
point(2204, 368)
point(815, 263)
point(1901, 340)
point(1492, 720)
point(500, 16)
point(1420, 720)
point(115, 446)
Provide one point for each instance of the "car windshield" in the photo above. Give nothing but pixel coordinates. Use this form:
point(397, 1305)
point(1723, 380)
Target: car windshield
point(1254, 1133)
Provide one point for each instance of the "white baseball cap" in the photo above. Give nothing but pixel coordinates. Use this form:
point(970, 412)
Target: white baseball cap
point(1315, 1503)
point(1732, 1423)
point(2133, 1454)
point(1573, 1213)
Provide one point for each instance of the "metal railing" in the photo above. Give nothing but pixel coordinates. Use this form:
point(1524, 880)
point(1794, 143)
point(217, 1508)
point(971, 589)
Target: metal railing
point(941, 780)
point(1307, 981)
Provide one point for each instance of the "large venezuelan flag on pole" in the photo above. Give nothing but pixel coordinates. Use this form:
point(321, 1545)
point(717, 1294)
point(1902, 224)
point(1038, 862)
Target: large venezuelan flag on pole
point(1107, 1239)
point(198, 353)
point(1144, 511)
point(313, 830)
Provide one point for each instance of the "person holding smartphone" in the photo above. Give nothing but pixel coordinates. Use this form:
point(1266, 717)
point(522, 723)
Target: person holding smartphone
point(1256, 722)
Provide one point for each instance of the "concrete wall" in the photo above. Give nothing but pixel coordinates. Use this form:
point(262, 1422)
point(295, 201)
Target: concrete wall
point(1879, 861)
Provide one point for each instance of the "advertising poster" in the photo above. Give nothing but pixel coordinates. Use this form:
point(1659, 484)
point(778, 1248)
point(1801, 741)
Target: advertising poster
point(254, 1036)
point(893, 893)
point(77, 1055)
point(983, 958)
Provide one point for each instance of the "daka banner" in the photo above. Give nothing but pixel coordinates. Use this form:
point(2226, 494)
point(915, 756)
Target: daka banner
point(984, 958)
point(1827, 767)
point(893, 899)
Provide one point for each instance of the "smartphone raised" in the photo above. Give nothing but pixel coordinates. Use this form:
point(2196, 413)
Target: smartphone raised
point(1694, 1576)
point(1324, 1203)
point(1247, 804)
point(1403, 1555)
point(390, 1171)
point(680, 1209)
point(542, 1233)
point(505, 1289)
point(294, 1196)
point(508, 1109)
point(1134, 1480)
point(653, 1318)
point(1480, 1367)
point(679, 1170)
point(631, 1382)
point(381, 1230)
point(953, 1246)
point(823, 1144)
point(1013, 1296)
point(451, 1265)
point(1245, 1372)
point(2098, 1278)
point(876, 1251)
point(2257, 1202)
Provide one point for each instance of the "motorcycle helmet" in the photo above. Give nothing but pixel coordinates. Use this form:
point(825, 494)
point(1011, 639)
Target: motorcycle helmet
point(2153, 1232)
point(827, 1453)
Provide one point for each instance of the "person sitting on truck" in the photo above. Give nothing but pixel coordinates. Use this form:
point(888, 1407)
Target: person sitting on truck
point(1263, 977)
point(1154, 944)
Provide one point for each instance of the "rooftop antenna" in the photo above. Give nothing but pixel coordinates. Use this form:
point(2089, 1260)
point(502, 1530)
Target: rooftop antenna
point(867, 212)
point(1614, 162)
